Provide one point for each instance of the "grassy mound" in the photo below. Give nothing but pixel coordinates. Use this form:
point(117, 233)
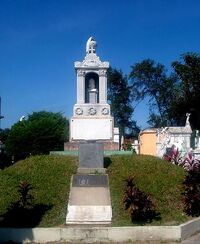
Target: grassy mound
point(50, 178)
point(162, 180)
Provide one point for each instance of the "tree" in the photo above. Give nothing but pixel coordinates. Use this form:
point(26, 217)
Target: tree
point(4, 134)
point(119, 99)
point(4, 159)
point(188, 99)
point(149, 79)
point(40, 133)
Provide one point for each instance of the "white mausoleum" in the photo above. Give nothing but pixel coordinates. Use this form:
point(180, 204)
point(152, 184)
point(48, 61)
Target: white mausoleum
point(157, 141)
point(180, 137)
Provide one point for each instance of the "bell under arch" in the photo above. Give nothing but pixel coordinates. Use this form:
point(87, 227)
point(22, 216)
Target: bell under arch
point(91, 88)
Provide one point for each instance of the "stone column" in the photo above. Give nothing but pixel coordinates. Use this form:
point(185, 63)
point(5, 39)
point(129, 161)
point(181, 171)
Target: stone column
point(80, 87)
point(187, 140)
point(102, 87)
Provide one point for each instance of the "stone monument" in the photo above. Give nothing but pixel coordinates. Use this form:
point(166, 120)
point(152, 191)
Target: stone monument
point(179, 136)
point(91, 125)
point(92, 118)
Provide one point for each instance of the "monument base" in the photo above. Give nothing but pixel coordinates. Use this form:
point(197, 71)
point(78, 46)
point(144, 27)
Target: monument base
point(89, 200)
point(108, 145)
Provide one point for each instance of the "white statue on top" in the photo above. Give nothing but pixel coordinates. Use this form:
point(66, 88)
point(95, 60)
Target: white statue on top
point(187, 123)
point(91, 45)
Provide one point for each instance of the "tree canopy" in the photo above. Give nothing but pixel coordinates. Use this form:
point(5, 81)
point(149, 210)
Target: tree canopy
point(188, 97)
point(149, 79)
point(170, 96)
point(120, 101)
point(40, 133)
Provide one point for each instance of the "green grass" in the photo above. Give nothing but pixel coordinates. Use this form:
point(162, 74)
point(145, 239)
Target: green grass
point(50, 179)
point(154, 176)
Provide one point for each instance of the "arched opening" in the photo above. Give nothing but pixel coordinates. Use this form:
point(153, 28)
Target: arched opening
point(91, 88)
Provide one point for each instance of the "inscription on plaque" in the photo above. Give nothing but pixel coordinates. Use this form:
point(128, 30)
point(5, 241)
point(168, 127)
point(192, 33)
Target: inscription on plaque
point(90, 180)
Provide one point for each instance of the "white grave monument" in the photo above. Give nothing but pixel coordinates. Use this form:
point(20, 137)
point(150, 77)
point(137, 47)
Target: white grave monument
point(91, 114)
point(179, 136)
point(91, 127)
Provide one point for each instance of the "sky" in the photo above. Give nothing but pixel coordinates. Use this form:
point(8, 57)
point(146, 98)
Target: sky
point(41, 39)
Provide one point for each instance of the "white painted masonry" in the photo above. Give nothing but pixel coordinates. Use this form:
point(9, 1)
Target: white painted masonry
point(101, 234)
point(92, 118)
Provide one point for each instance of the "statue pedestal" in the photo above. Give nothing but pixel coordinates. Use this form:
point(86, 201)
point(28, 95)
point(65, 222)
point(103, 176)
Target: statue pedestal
point(93, 96)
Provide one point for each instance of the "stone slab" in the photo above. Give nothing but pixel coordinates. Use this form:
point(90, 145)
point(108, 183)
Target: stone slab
point(90, 180)
point(89, 205)
point(89, 215)
point(91, 155)
point(93, 196)
point(95, 128)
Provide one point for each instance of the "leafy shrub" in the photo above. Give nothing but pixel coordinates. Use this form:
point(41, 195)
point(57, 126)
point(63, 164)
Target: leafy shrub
point(173, 156)
point(139, 203)
point(188, 162)
point(25, 197)
point(191, 195)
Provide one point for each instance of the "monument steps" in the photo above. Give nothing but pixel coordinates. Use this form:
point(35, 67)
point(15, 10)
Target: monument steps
point(89, 200)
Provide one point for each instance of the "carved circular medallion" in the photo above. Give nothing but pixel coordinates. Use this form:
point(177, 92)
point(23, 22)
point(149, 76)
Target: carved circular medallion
point(92, 111)
point(105, 111)
point(79, 111)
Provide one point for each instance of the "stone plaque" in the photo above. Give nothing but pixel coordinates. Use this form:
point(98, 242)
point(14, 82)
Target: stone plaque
point(91, 128)
point(90, 180)
point(91, 155)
